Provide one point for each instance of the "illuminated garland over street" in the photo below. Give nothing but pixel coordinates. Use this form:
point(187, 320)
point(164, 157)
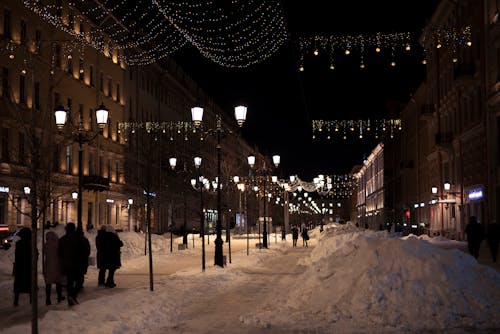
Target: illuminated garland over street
point(359, 128)
point(238, 34)
point(171, 128)
point(394, 43)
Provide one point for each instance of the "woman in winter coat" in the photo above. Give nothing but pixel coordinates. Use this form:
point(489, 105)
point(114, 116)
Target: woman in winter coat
point(108, 246)
point(52, 269)
point(22, 265)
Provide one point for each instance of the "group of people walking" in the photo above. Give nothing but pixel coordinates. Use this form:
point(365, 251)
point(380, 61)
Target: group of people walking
point(66, 261)
point(304, 234)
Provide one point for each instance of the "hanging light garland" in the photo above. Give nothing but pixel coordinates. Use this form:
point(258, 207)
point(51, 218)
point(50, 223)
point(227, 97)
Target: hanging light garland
point(171, 128)
point(337, 45)
point(359, 128)
point(237, 34)
point(450, 39)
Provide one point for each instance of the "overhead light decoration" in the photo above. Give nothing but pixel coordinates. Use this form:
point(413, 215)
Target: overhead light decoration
point(352, 44)
point(360, 127)
point(170, 129)
point(238, 33)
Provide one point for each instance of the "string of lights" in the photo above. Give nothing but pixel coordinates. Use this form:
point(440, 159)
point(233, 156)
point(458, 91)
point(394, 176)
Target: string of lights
point(393, 44)
point(171, 128)
point(356, 127)
point(237, 34)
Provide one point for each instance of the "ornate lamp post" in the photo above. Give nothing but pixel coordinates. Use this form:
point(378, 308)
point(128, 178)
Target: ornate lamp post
point(263, 172)
point(82, 137)
point(197, 117)
point(197, 164)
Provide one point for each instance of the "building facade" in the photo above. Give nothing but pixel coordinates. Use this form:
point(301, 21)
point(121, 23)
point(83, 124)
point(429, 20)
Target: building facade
point(44, 67)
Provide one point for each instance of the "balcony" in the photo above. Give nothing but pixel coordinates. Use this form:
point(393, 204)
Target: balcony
point(95, 183)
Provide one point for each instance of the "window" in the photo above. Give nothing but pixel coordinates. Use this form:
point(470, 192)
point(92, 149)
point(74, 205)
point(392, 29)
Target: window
point(101, 81)
point(91, 119)
point(57, 99)
point(23, 32)
point(57, 55)
point(109, 169)
point(7, 24)
point(38, 41)
point(68, 159)
point(117, 172)
point(69, 67)
point(91, 164)
point(36, 102)
point(5, 145)
point(101, 166)
point(57, 151)
point(81, 69)
point(110, 86)
point(22, 89)
point(118, 95)
point(91, 74)
point(22, 151)
point(90, 213)
point(5, 82)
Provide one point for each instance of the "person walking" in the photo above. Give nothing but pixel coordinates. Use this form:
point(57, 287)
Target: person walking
point(305, 237)
point(475, 234)
point(22, 265)
point(108, 246)
point(84, 262)
point(493, 237)
point(52, 270)
point(71, 252)
point(295, 235)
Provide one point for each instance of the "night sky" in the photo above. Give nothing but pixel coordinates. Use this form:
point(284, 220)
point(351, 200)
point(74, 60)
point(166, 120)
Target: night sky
point(282, 101)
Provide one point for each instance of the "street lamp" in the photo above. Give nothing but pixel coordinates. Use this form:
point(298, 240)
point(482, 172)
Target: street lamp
point(197, 164)
point(264, 171)
point(197, 117)
point(102, 118)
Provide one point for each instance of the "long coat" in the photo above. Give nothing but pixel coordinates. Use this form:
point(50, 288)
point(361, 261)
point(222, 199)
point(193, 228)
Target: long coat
point(73, 253)
point(52, 264)
point(22, 263)
point(108, 246)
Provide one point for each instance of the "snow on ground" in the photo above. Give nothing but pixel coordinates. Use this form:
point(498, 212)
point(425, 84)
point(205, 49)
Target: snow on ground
point(348, 281)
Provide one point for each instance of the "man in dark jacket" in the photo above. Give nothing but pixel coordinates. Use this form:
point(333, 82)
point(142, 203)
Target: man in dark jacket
point(22, 265)
point(475, 234)
point(108, 246)
point(72, 251)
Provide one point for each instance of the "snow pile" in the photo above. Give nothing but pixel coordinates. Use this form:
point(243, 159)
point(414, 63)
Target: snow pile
point(381, 282)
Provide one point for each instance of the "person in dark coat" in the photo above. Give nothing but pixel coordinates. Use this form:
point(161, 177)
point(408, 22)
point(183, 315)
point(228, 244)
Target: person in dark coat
point(295, 235)
point(22, 265)
point(72, 254)
point(52, 268)
point(493, 237)
point(305, 237)
point(84, 261)
point(475, 234)
point(108, 255)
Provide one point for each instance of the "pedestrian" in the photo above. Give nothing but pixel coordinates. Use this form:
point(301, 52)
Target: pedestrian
point(475, 234)
point(52, 269)
point(84, 262)
point(22, 265)
point(71, 252)
point(305, 237)
point(108, 246)
point(295, 235)
point(283, 233)
point(493, 237)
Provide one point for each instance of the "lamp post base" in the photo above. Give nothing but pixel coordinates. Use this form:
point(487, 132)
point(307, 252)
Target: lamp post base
point(219, 259)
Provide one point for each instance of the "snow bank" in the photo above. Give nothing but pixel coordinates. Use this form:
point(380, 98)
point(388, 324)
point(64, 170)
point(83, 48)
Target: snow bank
point(376, 281)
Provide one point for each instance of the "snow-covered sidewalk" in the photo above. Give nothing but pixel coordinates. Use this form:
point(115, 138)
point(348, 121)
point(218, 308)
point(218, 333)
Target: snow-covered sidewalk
point(347, 281)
